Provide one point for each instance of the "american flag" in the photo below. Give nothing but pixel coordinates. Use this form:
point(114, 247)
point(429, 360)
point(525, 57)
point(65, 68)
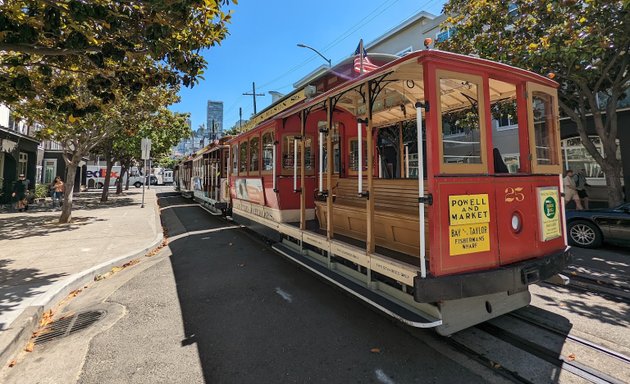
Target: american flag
point(362, 63)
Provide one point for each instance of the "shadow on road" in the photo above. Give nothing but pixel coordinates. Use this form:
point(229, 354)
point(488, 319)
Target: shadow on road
point(255, 317)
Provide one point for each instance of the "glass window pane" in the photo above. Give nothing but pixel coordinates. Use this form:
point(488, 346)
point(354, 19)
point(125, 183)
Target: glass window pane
point(544, 128)
point(243, 158)
point(267, 151)
point(253, 154)
point(234, 159)
point(354, 155)
point(505, 133)
point(287, 152)
point(461, 134)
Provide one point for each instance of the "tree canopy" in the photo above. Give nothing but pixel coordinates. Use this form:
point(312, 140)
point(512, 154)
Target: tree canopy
point(112, 44)
point(585, 44)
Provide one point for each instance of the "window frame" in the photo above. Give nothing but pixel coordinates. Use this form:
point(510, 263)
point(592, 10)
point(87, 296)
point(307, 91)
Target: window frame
point(250, 163)
point(482, 90)
point(262, 150)
point(243, 169)
point(350, 171)
point(289, 171)
point(535, 167)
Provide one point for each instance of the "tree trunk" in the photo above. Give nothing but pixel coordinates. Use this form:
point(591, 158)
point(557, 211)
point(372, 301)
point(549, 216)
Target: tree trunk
point(105, 192)
point(71, 171)
point(119, 185)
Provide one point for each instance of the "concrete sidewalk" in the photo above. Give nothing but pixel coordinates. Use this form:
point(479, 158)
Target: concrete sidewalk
point(42, 261)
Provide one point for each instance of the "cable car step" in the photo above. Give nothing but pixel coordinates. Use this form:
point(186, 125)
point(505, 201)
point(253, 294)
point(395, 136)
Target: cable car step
point(391, 308)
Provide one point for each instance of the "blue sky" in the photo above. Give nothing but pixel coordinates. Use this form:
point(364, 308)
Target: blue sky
point(262, 47)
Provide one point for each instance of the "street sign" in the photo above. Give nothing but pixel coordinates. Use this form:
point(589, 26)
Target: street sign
point(146, 148)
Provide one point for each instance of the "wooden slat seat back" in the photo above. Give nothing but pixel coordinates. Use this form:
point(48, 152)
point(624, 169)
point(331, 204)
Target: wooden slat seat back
point(396, 223)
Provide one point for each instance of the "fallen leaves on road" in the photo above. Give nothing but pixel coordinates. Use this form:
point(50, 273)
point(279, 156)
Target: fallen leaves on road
point(47, 318)
point(571, 357)
point(12, 363)
point(375, 350)
point(30, 346)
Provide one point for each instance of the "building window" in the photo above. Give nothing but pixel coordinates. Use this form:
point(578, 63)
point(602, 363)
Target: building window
point(444, 35)
point(23, 164)
point(512, 10)
point(576, 157)
point(404, 52)
point(50, 170)
point(253, 154)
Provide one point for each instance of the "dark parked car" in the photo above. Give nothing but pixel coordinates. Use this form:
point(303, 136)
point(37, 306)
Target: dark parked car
point(589, 228)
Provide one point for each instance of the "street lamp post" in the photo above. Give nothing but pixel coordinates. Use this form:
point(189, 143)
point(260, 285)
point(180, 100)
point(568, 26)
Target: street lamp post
point(316, 51)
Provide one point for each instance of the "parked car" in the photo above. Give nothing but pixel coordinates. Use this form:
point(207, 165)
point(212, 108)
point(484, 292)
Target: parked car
point(590, 228)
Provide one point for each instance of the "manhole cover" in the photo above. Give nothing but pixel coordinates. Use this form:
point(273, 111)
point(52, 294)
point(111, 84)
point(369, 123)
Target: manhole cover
point(68, 325)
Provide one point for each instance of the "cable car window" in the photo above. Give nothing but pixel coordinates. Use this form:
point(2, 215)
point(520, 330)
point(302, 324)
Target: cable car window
point(505, 129)
point(544, 128)
point(354, 156)
point(253, 154)
point(461, 114)
point(243, 158)
point(334, 132)
point(234, 159)
point(288, 155)
point(267, 151)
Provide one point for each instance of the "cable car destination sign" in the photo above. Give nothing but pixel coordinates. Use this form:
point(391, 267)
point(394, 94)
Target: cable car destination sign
point(469, 229)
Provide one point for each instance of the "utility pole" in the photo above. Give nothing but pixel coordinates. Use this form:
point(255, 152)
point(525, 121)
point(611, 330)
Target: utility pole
point(253, 95)
point(240, 119)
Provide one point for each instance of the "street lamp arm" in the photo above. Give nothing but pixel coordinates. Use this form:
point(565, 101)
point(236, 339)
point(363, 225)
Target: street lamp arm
point(316, 51)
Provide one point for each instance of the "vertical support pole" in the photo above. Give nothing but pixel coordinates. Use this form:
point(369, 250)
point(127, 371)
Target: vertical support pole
point(321, 161)
point(401, 149)
point(303, 171)
point(360, 155)
point(406, 160)
point(295, 163)
point(380, 166)
point(423, 267)
point(274, 165)
point(370, 243)
point(330, 233)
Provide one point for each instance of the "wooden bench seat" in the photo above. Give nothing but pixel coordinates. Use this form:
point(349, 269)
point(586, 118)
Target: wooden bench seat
point(396, 223)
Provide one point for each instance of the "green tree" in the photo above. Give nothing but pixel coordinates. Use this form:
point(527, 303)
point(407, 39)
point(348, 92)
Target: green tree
point(585, 43)
point(43, 40)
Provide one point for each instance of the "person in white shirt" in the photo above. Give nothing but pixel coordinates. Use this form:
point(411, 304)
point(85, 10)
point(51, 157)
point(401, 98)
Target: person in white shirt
point(570, 190)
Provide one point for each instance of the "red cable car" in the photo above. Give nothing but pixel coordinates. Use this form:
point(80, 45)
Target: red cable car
point(429, 187)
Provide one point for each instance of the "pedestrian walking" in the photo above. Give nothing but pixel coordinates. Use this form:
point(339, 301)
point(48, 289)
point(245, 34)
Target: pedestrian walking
point(570, 190)
point(580, 185)
point(19, 194)
point(58, 190)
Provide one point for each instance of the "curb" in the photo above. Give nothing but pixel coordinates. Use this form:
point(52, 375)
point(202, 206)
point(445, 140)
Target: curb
point(21, 329)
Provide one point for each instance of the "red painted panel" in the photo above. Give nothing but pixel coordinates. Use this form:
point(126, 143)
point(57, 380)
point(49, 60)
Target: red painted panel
point(444, 260)
point(507, 195)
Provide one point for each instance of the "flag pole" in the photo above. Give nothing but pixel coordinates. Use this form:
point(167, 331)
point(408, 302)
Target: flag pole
point(361, 54)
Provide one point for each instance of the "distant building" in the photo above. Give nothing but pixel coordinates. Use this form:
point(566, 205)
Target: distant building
point(214, 116)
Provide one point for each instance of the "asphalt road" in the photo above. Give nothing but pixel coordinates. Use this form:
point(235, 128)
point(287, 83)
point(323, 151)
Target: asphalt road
point(225, 308)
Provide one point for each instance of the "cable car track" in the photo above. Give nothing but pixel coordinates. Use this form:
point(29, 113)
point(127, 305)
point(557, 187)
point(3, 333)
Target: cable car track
point(487, 343)
point(597, 286)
